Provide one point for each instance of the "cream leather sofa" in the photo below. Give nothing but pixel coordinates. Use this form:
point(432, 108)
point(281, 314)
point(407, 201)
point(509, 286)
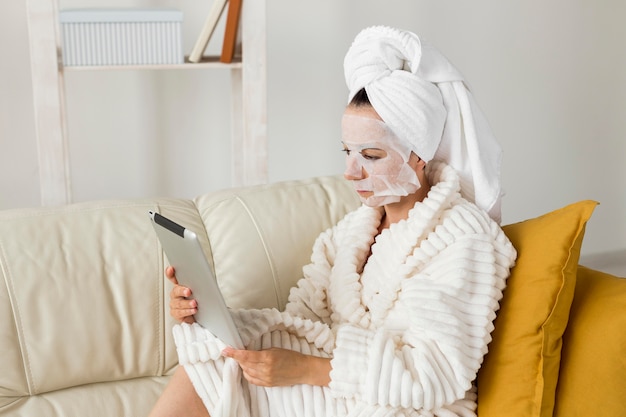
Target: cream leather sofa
point(84, 317)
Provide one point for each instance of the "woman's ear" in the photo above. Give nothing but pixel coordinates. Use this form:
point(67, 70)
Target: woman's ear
point(416, 162)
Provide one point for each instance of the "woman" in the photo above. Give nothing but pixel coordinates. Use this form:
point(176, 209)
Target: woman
point(394, 313)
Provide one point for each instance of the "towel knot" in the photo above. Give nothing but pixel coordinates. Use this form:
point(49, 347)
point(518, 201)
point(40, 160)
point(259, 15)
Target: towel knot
point(385, 50)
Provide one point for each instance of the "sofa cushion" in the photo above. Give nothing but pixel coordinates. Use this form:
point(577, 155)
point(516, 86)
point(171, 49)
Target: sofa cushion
point(592, 379)
point(260, 237)
point(84, 306)
point(520, 372)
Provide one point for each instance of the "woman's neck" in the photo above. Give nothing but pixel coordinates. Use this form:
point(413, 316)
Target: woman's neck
point(396, 212)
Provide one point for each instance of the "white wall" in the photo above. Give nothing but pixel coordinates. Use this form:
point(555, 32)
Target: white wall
point(550, 76)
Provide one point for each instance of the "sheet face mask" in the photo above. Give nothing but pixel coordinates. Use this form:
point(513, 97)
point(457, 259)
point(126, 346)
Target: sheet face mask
point(388, 178)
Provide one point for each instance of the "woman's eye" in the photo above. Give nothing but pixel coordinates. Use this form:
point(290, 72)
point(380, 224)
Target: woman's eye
point(366, 154)
point(370, 157)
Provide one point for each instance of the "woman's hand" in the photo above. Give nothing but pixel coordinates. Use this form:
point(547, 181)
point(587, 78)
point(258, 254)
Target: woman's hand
point(181, 308)
point(277, 367)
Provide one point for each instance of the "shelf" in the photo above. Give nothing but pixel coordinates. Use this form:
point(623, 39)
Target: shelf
point(248, 98)
point(207, 62)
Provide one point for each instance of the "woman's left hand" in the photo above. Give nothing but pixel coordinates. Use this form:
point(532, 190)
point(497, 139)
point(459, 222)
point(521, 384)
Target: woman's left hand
point(280, 367)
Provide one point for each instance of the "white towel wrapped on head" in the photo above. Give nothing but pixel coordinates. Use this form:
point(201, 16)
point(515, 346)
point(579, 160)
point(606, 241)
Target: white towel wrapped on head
point(426, 102)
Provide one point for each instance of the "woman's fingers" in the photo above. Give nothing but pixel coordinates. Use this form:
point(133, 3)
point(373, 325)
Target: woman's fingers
point(171, 274)
point(181, 307)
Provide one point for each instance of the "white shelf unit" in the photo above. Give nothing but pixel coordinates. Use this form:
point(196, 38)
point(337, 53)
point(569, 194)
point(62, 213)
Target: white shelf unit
point(248, 90)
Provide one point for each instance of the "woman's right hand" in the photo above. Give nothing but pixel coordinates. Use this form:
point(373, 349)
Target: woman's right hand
point(182, 308)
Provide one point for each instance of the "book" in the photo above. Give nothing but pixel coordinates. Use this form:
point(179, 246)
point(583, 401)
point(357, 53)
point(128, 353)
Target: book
point(230, 33)
point(207, 30)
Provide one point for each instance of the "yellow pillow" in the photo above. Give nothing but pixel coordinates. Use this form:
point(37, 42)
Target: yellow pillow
point(519, 375)
point(592, 381)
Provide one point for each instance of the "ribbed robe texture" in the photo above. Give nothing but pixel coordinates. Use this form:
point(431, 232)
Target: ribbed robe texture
point(406, 326)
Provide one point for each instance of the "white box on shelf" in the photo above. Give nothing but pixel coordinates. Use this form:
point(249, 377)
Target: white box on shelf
point(93, 37)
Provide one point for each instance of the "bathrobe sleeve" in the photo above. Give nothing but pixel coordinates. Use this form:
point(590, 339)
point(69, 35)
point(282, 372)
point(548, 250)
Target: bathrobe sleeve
point(448, 305)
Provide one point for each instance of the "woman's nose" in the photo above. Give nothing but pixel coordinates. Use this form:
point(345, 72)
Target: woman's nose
point(354, 170)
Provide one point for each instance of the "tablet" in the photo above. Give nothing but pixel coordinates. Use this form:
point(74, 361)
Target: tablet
point(183, 250)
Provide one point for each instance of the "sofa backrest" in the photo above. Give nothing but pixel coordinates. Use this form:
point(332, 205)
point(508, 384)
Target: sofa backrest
point(260, 237)
point(84, 306)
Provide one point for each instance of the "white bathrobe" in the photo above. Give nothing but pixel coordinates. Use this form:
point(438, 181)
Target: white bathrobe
point(407, 330)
